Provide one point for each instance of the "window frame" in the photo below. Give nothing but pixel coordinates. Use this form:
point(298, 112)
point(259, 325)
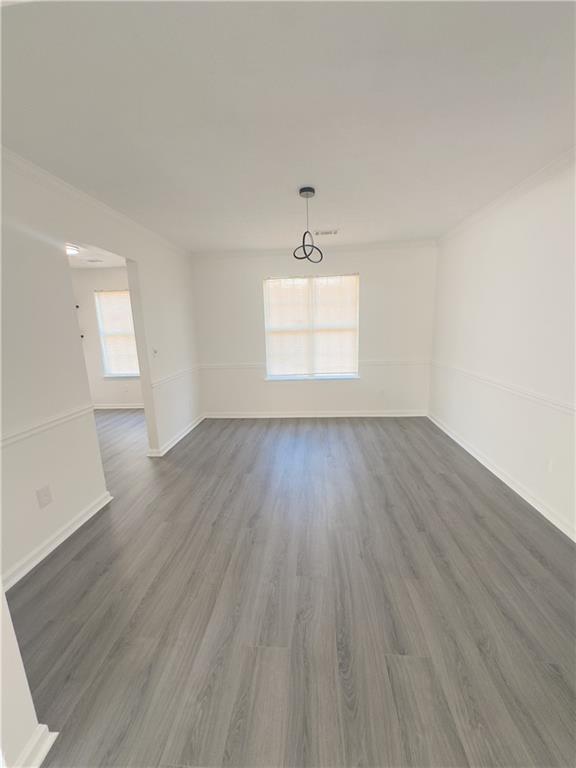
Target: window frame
point(106, 374)
point(311, 329)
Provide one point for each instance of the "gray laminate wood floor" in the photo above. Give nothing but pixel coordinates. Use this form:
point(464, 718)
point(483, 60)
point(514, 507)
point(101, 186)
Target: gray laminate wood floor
point(331, 592)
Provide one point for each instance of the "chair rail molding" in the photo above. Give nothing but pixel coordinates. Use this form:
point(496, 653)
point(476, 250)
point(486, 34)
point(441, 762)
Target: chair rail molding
point(174, 376)
point(42, 426)
point(512, 388)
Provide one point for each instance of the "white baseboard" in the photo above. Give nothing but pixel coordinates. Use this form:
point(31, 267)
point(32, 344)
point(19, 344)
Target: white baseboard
point(312, 414)
point(156, 453)
point(33, 754)
point(550, 514)
point(23, 566)
point(119, 407)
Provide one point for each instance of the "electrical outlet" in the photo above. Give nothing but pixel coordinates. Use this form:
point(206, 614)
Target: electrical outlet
point(44, 496)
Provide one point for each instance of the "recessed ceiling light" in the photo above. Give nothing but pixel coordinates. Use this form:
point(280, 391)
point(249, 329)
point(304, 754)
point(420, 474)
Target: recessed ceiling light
point(72, 250)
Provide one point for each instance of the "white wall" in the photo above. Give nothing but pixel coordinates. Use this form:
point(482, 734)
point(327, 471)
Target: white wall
point(25, 742)
point(49, 436)
point(502, 382)
point(106, 391)
point(37, 202)
point(396, 310)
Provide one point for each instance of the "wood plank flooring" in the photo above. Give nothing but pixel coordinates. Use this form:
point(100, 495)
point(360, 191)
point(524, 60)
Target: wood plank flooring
point(303, 593)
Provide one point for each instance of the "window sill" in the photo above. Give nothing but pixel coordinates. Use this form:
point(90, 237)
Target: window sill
point(327, 377)
point(121, 376)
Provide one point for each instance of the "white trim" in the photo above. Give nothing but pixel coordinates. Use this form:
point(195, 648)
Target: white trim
point(314, 377)
point(119, 407)
point(156, 453)
point(550, 514)
point(173, 376)
point(229, 366)
point(375, 247)
point(38, 746)
point(312, 414)
point(23, 566)
point(42, 426)
point(512, 388)
point(361, 363)
point(534, 180)
point(25, 167)
point(376, 363)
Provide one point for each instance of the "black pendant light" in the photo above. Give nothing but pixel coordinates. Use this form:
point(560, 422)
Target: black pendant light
point(308, 250)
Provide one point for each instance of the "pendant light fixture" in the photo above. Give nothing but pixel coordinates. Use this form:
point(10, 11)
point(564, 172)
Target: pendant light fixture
point(308, 250)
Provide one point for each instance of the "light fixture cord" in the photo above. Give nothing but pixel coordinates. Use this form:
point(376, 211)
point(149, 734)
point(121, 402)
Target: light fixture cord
point(307, 226)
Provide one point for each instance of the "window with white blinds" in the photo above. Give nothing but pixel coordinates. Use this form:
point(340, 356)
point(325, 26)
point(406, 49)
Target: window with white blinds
point(311, 326)
point(117, 340)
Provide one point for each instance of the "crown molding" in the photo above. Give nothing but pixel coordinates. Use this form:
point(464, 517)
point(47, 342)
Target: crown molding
point(548, 171)
point(27, 169)
point(359, 249)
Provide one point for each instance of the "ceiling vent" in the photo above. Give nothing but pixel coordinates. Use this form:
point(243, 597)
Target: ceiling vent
point(325, 232)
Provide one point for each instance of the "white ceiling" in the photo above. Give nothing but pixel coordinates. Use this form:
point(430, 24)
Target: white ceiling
point(91, 257)
point(201, 120)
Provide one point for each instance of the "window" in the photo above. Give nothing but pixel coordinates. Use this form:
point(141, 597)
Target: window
point(311, 326)
point(116, 333)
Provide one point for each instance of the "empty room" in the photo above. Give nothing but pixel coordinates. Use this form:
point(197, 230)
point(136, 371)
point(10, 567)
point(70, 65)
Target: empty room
point(288, 407)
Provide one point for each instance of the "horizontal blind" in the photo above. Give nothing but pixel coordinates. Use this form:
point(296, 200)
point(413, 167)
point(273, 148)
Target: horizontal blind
point(117, 333)
point(311, 325)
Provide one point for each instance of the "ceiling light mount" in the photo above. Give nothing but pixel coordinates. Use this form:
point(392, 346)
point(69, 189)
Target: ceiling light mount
point(308, 250)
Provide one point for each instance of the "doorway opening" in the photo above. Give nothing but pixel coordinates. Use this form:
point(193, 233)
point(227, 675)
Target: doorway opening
point(106, 298)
